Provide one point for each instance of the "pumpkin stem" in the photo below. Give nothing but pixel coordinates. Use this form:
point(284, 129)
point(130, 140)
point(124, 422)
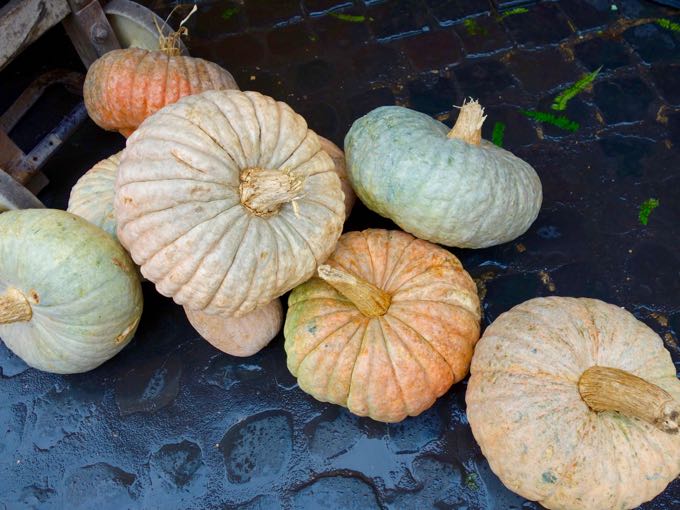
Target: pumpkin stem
point(265, 191)
point(369, 299)
point(170, 44)
point(612, 389)
point(14, 307)
point(468, 126)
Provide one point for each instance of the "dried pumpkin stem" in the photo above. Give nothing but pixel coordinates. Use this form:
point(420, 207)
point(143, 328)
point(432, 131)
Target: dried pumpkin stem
point(170, 44)
point(468, 126)
point(14, 307)
point(612, 389)
point(369, 299)
point(264, 191)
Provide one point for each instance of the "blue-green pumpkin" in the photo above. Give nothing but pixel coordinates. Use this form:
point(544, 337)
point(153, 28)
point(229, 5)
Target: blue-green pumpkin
point(446, 186)
point(70, 296)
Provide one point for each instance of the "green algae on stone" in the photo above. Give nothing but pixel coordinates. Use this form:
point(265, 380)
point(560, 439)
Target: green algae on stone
point(646, 209)
point(564, 97)
point(498, 134)
point(561, 122)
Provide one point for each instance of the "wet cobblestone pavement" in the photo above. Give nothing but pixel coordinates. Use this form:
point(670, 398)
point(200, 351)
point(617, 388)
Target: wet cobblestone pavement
point(172, 423)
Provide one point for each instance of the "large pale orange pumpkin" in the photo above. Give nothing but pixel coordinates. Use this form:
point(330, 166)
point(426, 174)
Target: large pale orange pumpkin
point(576, 405)
point(124, 87)
point(388, 327)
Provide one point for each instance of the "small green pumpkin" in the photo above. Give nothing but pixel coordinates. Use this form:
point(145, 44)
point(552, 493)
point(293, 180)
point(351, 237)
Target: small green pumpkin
point(92, 196)
point(446, 186)
point(70, 297)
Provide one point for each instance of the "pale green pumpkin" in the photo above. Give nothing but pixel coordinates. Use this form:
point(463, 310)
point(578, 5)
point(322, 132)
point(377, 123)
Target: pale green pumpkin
point(92, 196)
point(70, 297)
point(446, 186)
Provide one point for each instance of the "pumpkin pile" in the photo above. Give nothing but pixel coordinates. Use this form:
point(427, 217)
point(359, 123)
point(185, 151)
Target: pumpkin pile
point(225, 200)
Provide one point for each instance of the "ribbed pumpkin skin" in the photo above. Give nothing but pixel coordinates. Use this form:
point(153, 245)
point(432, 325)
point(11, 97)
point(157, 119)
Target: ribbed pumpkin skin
point(124, 87)
point(397, 364)
point(83, 288)
point(239, 336)
point(179, 207)
point(539, 436)
point(402, 166)
point(92, 196)
point(338, 158)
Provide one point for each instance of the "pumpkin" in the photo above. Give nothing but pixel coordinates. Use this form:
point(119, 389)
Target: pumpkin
point(239, 336)
point(226, 201)
point(576, 405)
point(92, 196)
point(446, 186)
point(123, 87)
point(338, 158)
point(387, 327)
point(70, 297)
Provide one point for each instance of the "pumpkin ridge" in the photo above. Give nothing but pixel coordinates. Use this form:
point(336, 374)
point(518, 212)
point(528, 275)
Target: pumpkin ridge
point(430, 345)
point(164, 179)
point(373, 278)
point(243, 163)
point(293, 229)
point(144, 88)
point(253, 271)
point(210, 137)
point(362, 324)
point(185, 145)
point(231, 264)
point(122, 225)
point(128, 98)
point(207, 301)
point(473, 317)
point(207, 252)
point(105, 97)
point(257, 122)
point(323, 339)
point(190, 229)
point(405, 406)
point(275, 255)
point(396, 269)
point(147, 213)
point(354, 364)
point(277, 148)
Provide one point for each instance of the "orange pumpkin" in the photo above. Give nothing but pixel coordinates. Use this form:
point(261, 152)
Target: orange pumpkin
point(124, 87)
point(389, 325)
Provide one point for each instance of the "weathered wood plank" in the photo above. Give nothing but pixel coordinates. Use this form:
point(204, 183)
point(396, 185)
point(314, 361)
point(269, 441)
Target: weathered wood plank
point(23, 21)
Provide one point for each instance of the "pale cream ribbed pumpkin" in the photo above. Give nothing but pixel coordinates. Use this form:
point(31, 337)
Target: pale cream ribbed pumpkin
point(226, 201)
point(576, 405)
point(92, 196)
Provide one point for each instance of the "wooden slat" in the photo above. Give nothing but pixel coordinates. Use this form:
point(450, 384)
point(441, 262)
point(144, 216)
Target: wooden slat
point(23, 21)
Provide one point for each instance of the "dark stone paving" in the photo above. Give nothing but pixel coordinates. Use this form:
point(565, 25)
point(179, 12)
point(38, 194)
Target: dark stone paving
point(172, 423)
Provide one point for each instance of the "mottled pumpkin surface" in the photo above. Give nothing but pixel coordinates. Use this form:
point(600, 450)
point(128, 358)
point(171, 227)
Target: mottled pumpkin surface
point(239, 336)
point(92, 196)
point(181, 213)
point(123, 87)
point(402, 166)
point(82, 287)
point(395, 365)
point(532, 425)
